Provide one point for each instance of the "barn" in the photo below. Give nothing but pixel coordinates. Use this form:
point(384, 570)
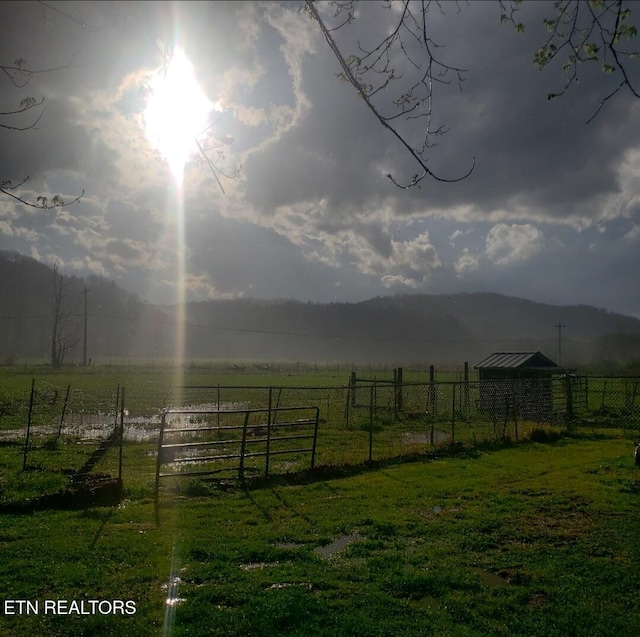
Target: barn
point(517, 384)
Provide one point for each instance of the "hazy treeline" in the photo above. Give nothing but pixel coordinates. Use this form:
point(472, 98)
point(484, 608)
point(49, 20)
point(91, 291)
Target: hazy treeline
point(400, 329)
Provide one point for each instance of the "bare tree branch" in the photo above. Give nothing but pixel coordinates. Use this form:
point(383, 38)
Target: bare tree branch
point(373, 72)
point(19, 74)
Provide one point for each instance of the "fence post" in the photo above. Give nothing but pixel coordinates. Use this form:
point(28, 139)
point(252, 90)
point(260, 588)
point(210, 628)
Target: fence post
point(64, 409)
point(586, 392)
point(266, 464)
point(315, 439)
point(159, 462)
point(516, 407)
point(371, 422)
point(121, 438)
point(569, 393)
point(395, 394)
point(432, 390)
point(632, 406)
point(243, 446)
point(453, 413)
point(397, 379)
point(26, 438)
point(466, 389)
point(218, 409)
point(352, 388)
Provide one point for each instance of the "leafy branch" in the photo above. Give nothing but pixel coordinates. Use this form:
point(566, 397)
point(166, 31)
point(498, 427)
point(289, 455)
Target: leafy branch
point(43, 203)
point(597, 32)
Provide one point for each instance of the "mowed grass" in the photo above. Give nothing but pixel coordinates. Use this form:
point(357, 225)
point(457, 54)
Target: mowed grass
point(530, 539)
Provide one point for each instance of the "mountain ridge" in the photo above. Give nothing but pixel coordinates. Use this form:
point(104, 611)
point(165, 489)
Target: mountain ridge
point(398, 328)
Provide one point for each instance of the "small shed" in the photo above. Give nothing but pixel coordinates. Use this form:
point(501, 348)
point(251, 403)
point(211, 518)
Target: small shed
point(517, 384)
point(516, 365)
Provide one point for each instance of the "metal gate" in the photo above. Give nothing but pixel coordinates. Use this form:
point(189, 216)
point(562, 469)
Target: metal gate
point(211, 440)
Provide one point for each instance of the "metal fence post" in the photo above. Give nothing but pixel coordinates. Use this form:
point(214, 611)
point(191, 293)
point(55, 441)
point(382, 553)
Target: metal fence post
point(243, 446)
point(569, 392)
point(26, 438)
point(121, 437)
point(266, 462)
point(371, 399)
point(64, 409)
point(453, 413)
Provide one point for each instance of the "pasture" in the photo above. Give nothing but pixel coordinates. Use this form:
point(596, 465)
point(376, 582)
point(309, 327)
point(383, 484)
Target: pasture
point(505, 537)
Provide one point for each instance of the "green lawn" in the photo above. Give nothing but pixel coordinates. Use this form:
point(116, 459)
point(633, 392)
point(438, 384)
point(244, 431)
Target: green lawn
point(532, 539)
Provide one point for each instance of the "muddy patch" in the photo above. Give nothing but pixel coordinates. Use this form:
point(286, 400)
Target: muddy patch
point(337, 545)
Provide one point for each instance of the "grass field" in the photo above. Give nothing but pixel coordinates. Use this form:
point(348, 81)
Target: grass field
point(535, 538)
point(529, 539)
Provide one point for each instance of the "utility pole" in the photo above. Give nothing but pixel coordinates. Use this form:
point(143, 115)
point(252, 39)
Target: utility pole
point(85, 292)
point(560, 326)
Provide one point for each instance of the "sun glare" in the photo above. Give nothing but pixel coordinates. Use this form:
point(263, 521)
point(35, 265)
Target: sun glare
point(177, 112)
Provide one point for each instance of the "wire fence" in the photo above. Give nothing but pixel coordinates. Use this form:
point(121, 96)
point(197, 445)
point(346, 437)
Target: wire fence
point(358, 421)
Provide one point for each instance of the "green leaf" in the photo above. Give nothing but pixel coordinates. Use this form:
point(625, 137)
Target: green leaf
point(520, 27)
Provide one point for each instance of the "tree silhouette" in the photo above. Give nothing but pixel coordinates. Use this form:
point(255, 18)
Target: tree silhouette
point(63, 328)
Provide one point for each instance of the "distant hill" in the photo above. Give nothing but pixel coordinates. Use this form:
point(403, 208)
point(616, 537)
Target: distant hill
point(416, 328)
point(410, 328)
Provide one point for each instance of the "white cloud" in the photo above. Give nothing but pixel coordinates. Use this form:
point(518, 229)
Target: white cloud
point(458, 233)
point(509, 243)
point(467, 262)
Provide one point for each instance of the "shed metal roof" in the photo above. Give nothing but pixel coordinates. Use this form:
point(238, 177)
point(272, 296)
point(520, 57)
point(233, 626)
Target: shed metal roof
point(515, 360)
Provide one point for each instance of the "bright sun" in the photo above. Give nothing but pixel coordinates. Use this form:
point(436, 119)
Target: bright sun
point(177, 112)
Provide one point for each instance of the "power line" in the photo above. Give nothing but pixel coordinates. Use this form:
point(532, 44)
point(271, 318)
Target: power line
point(165, 320)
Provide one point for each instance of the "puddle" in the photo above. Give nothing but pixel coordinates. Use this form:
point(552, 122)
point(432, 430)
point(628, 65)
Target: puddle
point(337, 545)
point(494, 580)
point(306, 585)
point(100, 426)
point(172, 591)
point(172, 584)
point(174, 601)
point(257, 565)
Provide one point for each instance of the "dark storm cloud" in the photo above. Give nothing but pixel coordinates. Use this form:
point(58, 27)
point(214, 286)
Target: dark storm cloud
point(530, 153)
point(312, 214)
point(57, 143)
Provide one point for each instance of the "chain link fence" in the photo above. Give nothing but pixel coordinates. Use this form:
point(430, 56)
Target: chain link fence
point(358, 422)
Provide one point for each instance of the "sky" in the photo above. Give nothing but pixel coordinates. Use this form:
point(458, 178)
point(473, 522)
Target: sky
point(550, 212)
